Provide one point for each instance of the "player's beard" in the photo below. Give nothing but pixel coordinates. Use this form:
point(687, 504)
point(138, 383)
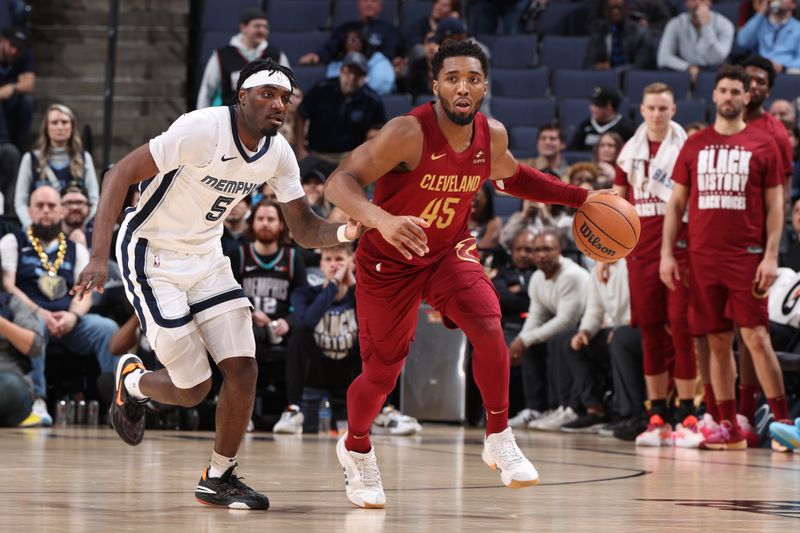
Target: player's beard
point(269, 132)
point(46, 232)
point(734, 111)
point(755, 103)
point(460, 120)
point(267, 236)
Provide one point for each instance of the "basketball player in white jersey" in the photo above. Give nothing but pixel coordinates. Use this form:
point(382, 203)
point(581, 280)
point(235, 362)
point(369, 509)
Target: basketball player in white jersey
point(175, 274)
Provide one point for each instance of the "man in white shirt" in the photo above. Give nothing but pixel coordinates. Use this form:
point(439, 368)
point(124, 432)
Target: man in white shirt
point(175, 274)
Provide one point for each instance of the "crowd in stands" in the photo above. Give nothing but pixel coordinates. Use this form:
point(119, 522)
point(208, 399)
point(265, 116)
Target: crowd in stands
point(576, 351)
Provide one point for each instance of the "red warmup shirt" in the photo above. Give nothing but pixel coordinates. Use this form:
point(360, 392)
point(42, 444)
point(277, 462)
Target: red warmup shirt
point(651, 211)
point(726, 176)
point(439, 190)
point(775, 129)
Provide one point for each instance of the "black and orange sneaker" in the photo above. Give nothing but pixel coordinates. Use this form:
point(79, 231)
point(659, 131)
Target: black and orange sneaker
point(229, 491)
point(126, 413)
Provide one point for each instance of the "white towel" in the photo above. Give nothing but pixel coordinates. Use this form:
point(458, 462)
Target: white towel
point(636, 154)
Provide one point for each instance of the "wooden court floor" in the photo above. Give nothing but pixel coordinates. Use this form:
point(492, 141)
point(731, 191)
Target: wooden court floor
point(78, 479)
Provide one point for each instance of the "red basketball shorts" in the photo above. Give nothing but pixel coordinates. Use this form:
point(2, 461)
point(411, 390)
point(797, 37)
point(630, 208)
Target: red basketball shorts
point(725, 283)
point(651, 301)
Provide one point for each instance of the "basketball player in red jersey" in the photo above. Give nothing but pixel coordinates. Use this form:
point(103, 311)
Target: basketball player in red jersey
point(644, 177)
point(731, 177)
point(428, 165)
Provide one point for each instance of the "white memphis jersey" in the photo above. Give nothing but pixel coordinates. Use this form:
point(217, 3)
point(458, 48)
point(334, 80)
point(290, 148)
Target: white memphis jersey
point(204, 171)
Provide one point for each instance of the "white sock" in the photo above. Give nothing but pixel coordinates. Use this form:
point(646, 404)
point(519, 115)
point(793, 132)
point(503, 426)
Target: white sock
point(219, 464)
point(131, 383)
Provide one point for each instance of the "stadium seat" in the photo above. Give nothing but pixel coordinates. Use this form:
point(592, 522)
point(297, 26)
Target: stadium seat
point(520, 83)
point(573, 111)
point(298, 15)
point(572, 157)
point(579, 83)
point(505, 206)
point(705, 86)
point(690, 111)
point(522, 137)
point(411, 11)
point(224, 14)
point(297, 44)
point(561, 19)
point(563, 52)
point(396, 104)
point(787, 86)
point(307, 75)
point(513, 51)
point(729, 10)
point(347, 10)
point(523, 111)
point(637, 80)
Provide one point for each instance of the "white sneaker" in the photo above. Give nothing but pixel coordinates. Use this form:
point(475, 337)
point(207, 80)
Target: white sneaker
point(554, 423)
point(392, 422)
point(500, 452)
point(687, 434)
point(362, 479)
point(544, 417)
point(523, 418)
point(291, 421)
point(40, 409)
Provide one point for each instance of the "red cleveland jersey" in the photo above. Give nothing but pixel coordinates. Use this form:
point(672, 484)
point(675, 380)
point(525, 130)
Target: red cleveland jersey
point(726, 176)
point(439, 190)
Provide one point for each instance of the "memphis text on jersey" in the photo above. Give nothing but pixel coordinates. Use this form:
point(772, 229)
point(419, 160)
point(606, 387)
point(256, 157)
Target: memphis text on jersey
point(722, 174)
point(230, 186)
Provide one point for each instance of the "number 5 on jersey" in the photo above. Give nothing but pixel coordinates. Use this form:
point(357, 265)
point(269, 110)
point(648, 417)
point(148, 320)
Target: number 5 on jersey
point(218, 209)
point(431, 211)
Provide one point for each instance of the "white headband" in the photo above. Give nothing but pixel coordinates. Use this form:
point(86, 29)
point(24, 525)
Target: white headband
point(268, 77)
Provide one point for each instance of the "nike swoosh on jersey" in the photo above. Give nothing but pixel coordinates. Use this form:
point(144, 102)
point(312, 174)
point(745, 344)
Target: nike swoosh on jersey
point(224, 159)
point(250, 268)
point(434, 157)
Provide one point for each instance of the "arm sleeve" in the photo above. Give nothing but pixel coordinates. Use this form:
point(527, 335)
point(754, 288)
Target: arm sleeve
point(9, 252)
point(716, 39)
point(22, 191)
point(668, 48)
point(92, 185)
point(748, 34)
point(190, 140)
point(25, 318)
point(210, 83)
point(592, 319)
point(571, 303)
point(286, 181)
point(531, 184)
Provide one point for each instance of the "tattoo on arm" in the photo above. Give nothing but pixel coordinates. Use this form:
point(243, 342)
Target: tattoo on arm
point(308, 229)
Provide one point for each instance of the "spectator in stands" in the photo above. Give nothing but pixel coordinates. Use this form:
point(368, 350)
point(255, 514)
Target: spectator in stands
point(233, 228)
point(17, 80)
point(748, 8)
point(693, 127)
point(75, 213)
point(532, 216)
point(287, 128)
point(222, 69)
point(511, 282)
point(21, 342)
point(790, 246)
point(550, 145)
point(323, 352)
point(314, 187)
point(696, 39)
point(618, 42)
point(582, 174)
point(57, 159)
point(417, 78)
point(775, 34)
point(270, 270)
point(380, 72)
point(485, 16)
point(419, 29)
point(483, 224)
point(603, 116)
point(9, 166)
point(382, 36)
point(341, 113)
point(557, 292)
point(40, 265)
point(604, 155)
point(784, 110)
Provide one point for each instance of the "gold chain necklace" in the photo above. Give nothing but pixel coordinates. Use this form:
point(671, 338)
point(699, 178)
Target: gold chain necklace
point(51, 269)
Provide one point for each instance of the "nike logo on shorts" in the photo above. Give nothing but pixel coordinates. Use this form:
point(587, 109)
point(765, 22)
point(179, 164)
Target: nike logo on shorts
point(224, 159)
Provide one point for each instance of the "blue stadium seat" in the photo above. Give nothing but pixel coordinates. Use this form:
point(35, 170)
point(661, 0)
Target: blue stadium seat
point(224, 14)
point(690, 111)
point(563, 52)
point(297, 44)
point(572, 157)
point(729, 10)
point(787, 86)
point(522, 137)
point(521, 83)
point(298, 15)
point(705, 86)
point(560, 19)
point(573, 111)
point(411, 11)
point(307, 75)
point(579, 83)
point(347, 10)
point(396, 104)
point(513, 51)
point(210, 41)
point(505, 206)
point(523, 111)
point(637, 80)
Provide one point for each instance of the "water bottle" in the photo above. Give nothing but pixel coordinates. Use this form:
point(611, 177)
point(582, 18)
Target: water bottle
point(61, 413)
point(92, 413)
point(325, 416)
point(274, 338)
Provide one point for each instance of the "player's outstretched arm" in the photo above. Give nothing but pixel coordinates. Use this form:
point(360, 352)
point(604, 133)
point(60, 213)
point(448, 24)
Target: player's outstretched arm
point(397, 146)
point(137, 166)
point(310, 230)
point(522, 181)
point(668, 269)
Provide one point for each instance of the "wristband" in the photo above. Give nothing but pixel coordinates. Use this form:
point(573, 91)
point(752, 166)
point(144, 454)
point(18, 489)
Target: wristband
point(340, 233)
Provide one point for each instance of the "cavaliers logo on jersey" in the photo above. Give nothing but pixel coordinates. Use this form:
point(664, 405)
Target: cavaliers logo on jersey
point(467, 250)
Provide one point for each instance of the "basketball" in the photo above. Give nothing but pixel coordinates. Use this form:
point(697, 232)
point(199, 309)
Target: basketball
point(606, 228)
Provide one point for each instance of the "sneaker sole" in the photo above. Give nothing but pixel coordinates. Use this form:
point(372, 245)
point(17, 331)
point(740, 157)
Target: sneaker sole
point(723, 447)
point(237, 506)
point(123, 362)
point(786, 438)
point(363, 504)
point(515, 483)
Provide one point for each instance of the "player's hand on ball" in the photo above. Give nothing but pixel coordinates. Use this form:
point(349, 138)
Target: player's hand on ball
point(406, 234)
point(669, 272)
point(766, 273)
point(92, 278)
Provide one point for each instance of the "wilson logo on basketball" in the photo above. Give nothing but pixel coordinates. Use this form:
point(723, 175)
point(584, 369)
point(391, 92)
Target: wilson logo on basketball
point(594, 241)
